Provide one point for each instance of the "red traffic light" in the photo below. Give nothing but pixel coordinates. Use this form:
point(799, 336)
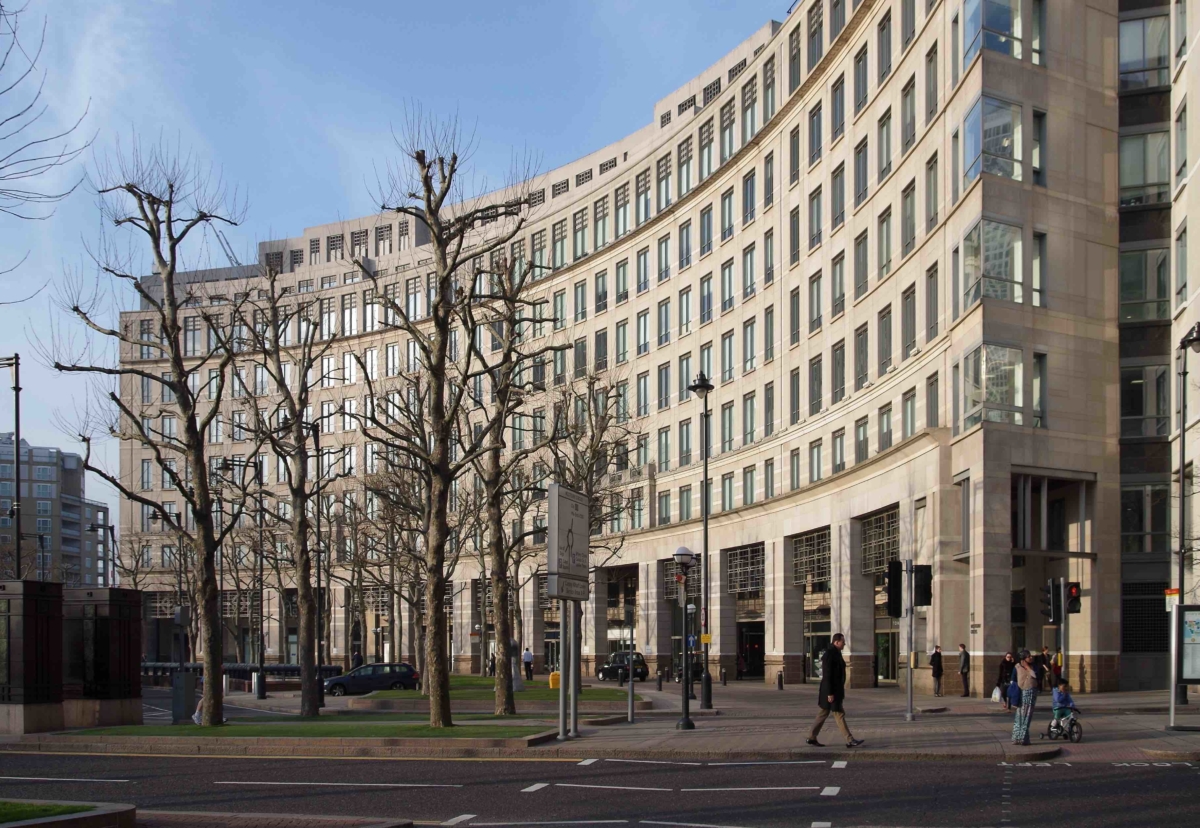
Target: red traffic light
point(1074, 597)
point(1074, 591)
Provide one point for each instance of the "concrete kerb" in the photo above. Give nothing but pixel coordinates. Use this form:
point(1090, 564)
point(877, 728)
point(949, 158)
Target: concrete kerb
point(249, 818)
point(101, 815)
point(1161, 755)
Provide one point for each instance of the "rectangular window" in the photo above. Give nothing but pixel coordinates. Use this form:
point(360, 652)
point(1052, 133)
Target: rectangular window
point(727, 492)
point(884, 145)
point(933, 402)
point(931, 84)
point(861, 358)
point(664, 322)
point(601, 284)
point(748, 348)
point(727, 215)
point(816, 34)
point(768, 479)
point(908, 414)
point(837, 285)
point(992, 386)
point(664, 386)
point(727, 356)
point(794, 59)
point(1181, 145)
point(814, 386)
point(1180, 27)
point(622, 350)
point(1144, 278)
point(1144, 53)
point(768, 89)
point(794, 308)
point(931, 194)
point(769, 257)
point(954, 159)
point(839, 450)
point(581, 301)
point(643, 394)
point(768, 409)
point(931, 303)
point(728, 117)
point(747, 419)
point(1181, 281)
point(794, 395)
point(860, 173)
point(814, 134)
point(1039, 390)
point(954, 41)
point(861, 265)
point(837, 197)
point(664, 258)
point(748, 198)
point(885, 428)
point(794, 235)
point(1038, 265)
point(1145, 169)
point(685, 246)
point(794, 154)
point(992, 24)
point(908, 322)
point(749, 285)
point(814, 303)
point(992, 140)
point(860, 80)
point(992, 263)
point(768, 180)
point(1037, 22)
point(814, 461)
point(862, 447)
point(908, 219)
point(685, 311)
point(908, 116)
point(1037, 160)
point(579, 235)
point(643, 270)
point(884, 241)
point(727, 286)
point(837, 17)
point(885, 46)
point(769, 333)
point(838, 372)
point(643, 332)
point(794, 469)
point(684, 168)
point(908, 22)
point(727, 427)
point(814, 218)
point(837, 108)
point(885, 340)
point(706, 231)
point(706, 150)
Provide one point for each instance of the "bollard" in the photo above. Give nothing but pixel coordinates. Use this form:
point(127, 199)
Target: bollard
point(779, 680)
point(620, 678)
point(660, 681)
point(724, 678)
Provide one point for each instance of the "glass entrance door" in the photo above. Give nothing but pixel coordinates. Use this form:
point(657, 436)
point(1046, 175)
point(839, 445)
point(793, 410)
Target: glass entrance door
point(886, 646)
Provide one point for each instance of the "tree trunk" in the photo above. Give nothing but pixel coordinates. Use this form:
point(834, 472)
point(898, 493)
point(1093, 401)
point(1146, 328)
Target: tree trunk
point(497, 553)
point(306, 606)
point(437, 675)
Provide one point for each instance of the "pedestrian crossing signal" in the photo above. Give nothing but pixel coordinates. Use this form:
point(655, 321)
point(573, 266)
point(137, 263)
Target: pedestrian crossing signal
point(895, 589)
point(1074, 597)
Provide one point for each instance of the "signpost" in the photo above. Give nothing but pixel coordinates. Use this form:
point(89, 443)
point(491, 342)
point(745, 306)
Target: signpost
point(567, 564)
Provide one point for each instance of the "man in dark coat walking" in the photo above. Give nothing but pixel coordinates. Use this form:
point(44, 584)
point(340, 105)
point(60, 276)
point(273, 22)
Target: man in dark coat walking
point(832, 692)
point(935, 665)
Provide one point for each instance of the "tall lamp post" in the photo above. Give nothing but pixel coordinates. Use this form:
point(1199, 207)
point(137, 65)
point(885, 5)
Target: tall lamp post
point(1190, 340)
point(315, 427)
point(700, 388)
point(684, 559)
point(14, 362)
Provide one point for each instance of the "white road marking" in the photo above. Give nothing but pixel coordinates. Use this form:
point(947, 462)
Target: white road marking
point(822, 825)
point(830, 791)
point(609, 787)
point(57, 779)
point(687, 824)
point(589, 761)
point(346, 784)
point(558, 822)
point(781, 762)
point(785, 788)
point(654, 762)
point(537, 786)
point(836, 765)
point(458, 819)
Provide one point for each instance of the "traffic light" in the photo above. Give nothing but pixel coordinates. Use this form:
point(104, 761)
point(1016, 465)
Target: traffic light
point(895, 589)
point(922, 585)
point(1050, 602)
point(1074, 597)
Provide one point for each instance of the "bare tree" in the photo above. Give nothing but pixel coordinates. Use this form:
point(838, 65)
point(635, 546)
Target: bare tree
point(153, 195)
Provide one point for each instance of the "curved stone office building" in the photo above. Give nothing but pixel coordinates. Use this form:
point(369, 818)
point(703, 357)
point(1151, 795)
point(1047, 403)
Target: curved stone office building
point(886, 229)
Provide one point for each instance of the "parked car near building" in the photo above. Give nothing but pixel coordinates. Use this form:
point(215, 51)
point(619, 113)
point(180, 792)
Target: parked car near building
point(370, 677)
point(618, 665)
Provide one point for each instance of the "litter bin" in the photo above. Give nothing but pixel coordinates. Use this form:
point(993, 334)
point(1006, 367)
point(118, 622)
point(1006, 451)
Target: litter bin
point(554, 679)
point(183, 697)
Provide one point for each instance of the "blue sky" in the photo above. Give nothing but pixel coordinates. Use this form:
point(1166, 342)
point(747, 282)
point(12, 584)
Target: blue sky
point(295, 104)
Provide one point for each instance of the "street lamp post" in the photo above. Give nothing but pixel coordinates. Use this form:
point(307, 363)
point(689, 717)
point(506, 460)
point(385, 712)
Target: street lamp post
point(701, 387)
point(100, 528)
point(684, 559)
point(315, 426)
point(1190, 340)
point(14, 362)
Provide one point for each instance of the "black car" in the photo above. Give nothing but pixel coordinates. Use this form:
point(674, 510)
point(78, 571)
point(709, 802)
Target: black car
point(370, 677)
point(618, 666)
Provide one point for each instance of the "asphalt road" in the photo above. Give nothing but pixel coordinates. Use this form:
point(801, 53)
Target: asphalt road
point(512, 792)
point(156, 707)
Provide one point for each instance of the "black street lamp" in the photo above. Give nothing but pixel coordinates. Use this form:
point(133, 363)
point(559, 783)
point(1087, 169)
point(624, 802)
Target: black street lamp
point(684, 559)
point(700, 388)
point(1190, 340)
point(14, 364)
point(315, 426)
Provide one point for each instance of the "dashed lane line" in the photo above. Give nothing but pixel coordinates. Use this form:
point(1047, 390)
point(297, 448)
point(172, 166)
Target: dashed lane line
point(458, 820)
point(589, 761)
point(609, 787)
point(781, 762)
point(822, 825)
point(838, 765)
point(830, 791)
point(687, 824)
point(780, 788)
point(554, 822)
point(653, 762)
point(537, 786)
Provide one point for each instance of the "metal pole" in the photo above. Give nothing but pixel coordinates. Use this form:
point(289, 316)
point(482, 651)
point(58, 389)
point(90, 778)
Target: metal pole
point(1174, 665)
point(562, 674)
point(316, 432)
point(1179, 692)
point(1062, 598)
point(685, 679)
point(261, 691)
point(576, 658)
point(706, 679)
point(911, 611)
point(16, 387)
point(630, 672)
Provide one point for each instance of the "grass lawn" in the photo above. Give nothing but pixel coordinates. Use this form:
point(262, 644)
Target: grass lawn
point(17, 811)
point(320, 730)
point(347, 718)
point(532, 692)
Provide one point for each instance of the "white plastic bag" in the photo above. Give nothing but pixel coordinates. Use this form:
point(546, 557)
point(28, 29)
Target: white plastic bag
point(996, 695)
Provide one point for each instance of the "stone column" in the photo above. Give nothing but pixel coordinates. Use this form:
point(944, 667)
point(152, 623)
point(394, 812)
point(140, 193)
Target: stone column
point(533, 621)
point(723, 616)
point(339, 635)
point(783, 617)
point(466, 616)
point(852, 610)
point(595, 625)
point(654, 617)
point(990, 622)
point(407, 624)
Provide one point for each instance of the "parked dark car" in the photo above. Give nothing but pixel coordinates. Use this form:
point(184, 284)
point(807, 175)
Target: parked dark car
point(697, 669)
point(618, 665)
point(370, 677)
